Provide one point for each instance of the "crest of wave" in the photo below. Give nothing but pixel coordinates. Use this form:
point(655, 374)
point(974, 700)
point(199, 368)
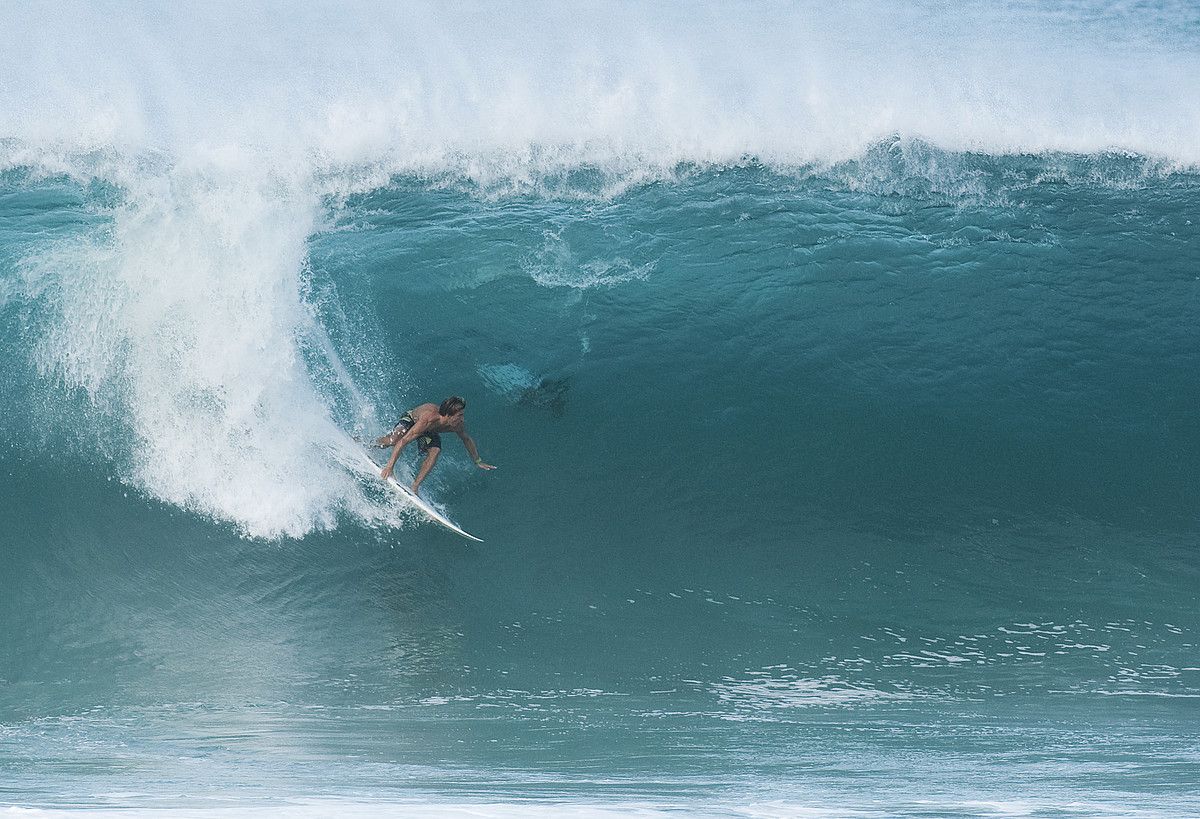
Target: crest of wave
point(495, 89)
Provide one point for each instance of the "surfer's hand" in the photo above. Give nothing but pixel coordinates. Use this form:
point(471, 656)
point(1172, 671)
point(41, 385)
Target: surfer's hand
point(386, 473)
point(482, 465)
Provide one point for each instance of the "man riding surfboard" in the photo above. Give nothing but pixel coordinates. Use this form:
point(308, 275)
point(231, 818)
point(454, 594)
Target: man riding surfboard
point(423, 425)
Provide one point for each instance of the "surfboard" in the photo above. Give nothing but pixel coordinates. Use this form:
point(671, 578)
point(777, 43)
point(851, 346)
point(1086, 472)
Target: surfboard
point(419, 502)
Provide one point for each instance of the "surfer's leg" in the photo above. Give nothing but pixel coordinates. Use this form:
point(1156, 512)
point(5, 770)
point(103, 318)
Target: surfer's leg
point(430, 460)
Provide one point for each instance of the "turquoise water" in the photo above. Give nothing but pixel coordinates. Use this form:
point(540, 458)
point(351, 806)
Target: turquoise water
point(848, 453)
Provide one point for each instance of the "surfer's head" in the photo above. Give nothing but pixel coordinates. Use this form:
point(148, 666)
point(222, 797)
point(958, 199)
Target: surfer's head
point(452, 406)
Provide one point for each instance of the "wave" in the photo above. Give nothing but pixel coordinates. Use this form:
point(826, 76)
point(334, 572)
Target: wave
point(218, 336)
point(840, 366)
point(489, 90)
point(204, 150)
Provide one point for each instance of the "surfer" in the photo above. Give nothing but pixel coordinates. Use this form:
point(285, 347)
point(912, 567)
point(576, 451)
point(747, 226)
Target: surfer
point(423, 425)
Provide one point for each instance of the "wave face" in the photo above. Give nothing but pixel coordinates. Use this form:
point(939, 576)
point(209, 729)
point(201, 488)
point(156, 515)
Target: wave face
point(841, 368)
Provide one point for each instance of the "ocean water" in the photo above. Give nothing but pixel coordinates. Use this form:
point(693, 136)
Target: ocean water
point(841, 368)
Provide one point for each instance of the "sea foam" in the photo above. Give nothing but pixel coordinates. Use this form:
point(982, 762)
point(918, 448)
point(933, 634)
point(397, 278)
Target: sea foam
point(492, 89)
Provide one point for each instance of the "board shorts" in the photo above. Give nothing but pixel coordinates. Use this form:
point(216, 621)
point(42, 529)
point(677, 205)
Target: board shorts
point(426, 442)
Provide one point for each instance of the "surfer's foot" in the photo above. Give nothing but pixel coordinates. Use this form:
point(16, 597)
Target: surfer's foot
point(415, 487)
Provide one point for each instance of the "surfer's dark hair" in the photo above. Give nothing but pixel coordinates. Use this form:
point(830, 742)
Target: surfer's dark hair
point(452, 405)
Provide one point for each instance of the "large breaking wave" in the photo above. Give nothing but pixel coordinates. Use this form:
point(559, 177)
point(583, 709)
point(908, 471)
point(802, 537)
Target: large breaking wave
point(206, 146)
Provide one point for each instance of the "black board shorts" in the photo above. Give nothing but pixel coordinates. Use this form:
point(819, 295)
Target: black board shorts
point(426, 442)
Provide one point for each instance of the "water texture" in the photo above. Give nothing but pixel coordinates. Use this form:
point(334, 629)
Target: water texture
point(841, 368)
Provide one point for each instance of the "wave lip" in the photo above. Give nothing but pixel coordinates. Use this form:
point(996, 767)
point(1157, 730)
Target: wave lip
point(428, 87)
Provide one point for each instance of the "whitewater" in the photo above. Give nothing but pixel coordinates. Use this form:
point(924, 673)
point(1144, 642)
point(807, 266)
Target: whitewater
point(840, 364)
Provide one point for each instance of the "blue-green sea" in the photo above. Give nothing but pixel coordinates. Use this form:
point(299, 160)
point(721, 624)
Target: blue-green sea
point(841, 368)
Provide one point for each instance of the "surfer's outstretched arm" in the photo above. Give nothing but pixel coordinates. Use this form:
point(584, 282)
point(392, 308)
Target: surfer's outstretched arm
point(470, 445)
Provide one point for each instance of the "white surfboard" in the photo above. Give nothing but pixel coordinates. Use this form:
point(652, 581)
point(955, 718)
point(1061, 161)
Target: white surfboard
point(419, 502)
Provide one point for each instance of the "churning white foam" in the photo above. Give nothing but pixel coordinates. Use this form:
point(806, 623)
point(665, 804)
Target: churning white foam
point(492, 88)
point(183, 319)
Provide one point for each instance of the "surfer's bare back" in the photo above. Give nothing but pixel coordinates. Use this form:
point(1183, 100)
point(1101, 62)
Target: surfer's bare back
point(423, 425)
